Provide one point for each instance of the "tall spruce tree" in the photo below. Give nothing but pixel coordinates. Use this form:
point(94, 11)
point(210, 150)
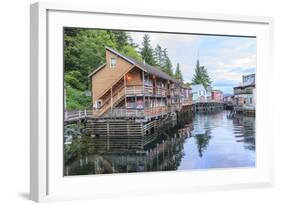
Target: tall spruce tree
point(201, 76)
point(147, 51)
point(159, 56)
point(178, 74)
point(167, 64)
point(120, 37)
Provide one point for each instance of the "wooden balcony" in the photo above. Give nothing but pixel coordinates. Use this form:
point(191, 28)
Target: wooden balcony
point(137, 90)
point(146, 112)
point(160, 92)
point(146, 90)
point(155, 111)
point(187, 102)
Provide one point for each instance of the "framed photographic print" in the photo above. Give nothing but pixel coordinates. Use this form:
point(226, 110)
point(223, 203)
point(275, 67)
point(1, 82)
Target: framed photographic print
point(127, 102)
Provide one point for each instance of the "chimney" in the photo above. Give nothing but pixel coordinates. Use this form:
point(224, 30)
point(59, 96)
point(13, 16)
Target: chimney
point(144, 61)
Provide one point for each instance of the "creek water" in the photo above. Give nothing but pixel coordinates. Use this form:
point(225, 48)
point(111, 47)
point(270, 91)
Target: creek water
point(215, 141)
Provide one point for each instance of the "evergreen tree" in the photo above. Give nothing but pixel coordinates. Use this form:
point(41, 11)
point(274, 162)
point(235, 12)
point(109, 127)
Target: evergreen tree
point(121, 38)
point(159, 56)
point(201, 76)
point(167, 65)
point(178, 74)
point(84, 51)
point(130, 51)
point(147, 51)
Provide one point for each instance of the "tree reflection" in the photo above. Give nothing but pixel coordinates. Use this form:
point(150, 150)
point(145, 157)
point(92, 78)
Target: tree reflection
point(202, 141)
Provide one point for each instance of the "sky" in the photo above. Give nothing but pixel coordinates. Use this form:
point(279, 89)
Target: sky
point(226, 58)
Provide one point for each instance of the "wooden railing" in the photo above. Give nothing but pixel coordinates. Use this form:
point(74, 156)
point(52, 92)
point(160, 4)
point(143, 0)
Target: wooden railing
point(146, 90)
point(186, 102)
point(139, 90)
point(135, 90)
point(79, 114)
point(156, 111)
point(116, 96)
point(115, 92)
point(116, 112)
point(147, 112)
point(161, 91)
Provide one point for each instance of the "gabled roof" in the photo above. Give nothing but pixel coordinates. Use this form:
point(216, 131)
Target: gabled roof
point(197, 87)
point(95, 71)
point(216, 90)
point(145, 67)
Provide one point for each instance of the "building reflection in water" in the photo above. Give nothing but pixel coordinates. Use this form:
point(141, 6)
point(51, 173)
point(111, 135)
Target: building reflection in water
point(246, 126)
point(101, 156)
point(199, 141)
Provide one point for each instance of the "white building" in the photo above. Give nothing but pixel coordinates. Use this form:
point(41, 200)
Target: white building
point(200, 94)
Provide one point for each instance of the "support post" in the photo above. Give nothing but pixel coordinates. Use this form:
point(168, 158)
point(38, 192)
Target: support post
point(125, 95)
point(143, 102)
point(111, 102)
point(135, 105)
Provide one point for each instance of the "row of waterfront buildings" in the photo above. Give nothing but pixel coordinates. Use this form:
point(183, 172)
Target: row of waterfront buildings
point(136, 101)
point(125, 85)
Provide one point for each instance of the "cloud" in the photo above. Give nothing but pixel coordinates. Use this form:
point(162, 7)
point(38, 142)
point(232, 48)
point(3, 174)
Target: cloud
point(225, 58)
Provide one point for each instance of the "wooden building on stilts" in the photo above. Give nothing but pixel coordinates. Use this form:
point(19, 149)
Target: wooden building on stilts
point(133, 99)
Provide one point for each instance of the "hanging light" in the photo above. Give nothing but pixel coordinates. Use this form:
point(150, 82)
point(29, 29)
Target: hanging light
point(129, 77)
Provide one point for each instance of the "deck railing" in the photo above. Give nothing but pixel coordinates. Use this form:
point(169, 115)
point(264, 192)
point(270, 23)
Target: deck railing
point(116, 95)
point(161, 91)
point(79, 114)
point(135, 90)
point(117, 112)
point(186, 102)
point(207, 101)
point(145, 90)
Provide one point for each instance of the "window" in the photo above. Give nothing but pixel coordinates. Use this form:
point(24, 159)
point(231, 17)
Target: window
point(113, 61)
point(99, 103)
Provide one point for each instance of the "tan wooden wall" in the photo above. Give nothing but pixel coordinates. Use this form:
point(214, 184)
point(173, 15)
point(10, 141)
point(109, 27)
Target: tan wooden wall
point(135, 77)
point(104, 78)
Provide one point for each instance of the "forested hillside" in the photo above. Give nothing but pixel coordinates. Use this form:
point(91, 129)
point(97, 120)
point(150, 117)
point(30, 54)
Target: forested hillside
point(84, 51)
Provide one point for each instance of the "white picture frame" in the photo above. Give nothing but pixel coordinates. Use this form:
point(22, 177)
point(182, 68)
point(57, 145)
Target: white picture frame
point(46, 176)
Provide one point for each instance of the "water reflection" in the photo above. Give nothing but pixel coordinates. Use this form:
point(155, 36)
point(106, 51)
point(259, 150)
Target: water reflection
point(202, 141)
point(220, 142)
point(95, 158)
point(197, 142)
point(245, 131)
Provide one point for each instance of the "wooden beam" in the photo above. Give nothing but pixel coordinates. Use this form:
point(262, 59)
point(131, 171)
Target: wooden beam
point(143, 91)
point(111, 102)
point(125, 93)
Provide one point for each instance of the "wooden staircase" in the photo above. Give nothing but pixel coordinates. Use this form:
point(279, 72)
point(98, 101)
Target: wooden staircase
point(117, 97)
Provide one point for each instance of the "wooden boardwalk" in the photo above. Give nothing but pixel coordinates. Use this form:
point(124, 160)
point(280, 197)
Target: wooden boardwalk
point(209, 106)
point(121, 113)
point(145, 115)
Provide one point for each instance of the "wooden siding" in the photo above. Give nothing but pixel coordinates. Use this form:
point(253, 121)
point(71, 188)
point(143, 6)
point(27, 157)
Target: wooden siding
point(104, 78)
point(135, 77)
